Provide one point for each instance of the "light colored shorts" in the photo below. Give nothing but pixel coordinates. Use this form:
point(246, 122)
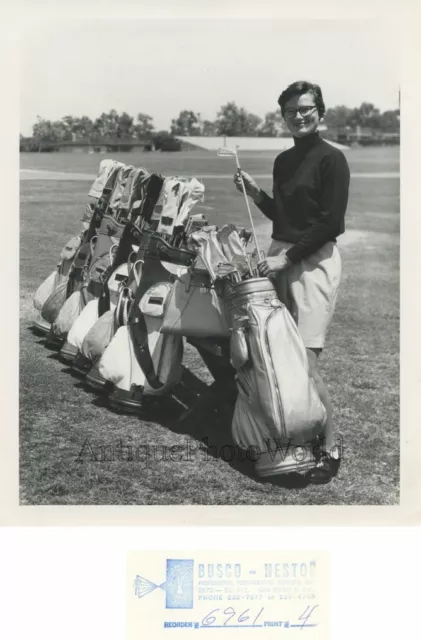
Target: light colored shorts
point(310, 289)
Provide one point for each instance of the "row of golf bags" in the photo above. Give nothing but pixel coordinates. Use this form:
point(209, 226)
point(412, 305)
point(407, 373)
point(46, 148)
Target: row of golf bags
point(143, 274)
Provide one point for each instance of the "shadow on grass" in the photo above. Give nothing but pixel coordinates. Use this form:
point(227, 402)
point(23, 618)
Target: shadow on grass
point(38, 333)
point(209, 424)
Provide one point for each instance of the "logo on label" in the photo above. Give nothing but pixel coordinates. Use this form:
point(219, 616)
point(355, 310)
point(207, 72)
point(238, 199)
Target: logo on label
point(178, 586)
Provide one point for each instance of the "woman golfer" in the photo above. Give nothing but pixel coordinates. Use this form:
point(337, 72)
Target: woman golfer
point(310, 196)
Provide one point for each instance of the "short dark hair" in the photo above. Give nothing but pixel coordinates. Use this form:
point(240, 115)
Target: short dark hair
point(297, 89)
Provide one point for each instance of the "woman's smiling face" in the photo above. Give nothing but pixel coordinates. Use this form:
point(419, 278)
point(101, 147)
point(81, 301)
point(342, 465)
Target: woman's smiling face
point(301, 115)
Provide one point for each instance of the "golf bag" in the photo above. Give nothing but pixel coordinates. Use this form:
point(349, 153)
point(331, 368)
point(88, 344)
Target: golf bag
point(111, 194)
point(60, 275)
point(71, 248)
point(74, 279)
point(54, 287)
point(107, 288)
point(102, 331)
point(278, 410)
point(140, 360)
point(100, 257)
point(140, 198)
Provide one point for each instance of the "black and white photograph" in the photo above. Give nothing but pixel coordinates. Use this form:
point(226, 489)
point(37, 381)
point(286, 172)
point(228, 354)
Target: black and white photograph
point(209, 262)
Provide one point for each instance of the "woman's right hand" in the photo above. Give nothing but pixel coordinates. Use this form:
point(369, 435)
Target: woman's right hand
point(252, 188)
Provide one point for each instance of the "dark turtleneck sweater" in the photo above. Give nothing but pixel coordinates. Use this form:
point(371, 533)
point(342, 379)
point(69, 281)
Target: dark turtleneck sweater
point(310, 195)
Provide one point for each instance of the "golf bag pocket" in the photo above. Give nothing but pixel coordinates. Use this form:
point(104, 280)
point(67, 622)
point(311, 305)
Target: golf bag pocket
point(99, 337)
point(46, 288)
point(247, 419)
point(55, 301)
point(79, 267)
point(194, 309)
point(68, 314)
point(82, 324)
point(119, 363)
point(118, 359)
point(115, 282)
point(97, 273)
point(152, 302)
point(239, 353)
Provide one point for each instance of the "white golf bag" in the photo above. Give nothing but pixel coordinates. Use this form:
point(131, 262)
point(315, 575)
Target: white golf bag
point(54, 290)
point(139, 360)
point(278, 410)
point(103, 246)
point(120, 365)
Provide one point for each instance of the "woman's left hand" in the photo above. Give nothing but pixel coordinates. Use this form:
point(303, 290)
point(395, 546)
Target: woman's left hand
point(273, 264)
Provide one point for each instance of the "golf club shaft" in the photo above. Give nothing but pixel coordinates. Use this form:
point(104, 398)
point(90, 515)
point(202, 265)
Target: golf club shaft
point(248, 206)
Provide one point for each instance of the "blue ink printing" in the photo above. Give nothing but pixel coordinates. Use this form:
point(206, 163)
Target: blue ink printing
point(179, 585)
point(143, 587)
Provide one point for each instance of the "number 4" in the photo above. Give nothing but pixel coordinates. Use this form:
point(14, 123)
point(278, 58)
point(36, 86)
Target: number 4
point(305, 616)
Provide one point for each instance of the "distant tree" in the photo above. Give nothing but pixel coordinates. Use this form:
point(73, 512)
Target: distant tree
point(273, 125)
point(209, 128)
point(253, 125)
point(69, 124)
point(125, 126)
point(186, 124)
point(368, 115)
point(390, 121)
point(77, 128)
point(114, 125)
point(106, 124)
point(236, 121)
point(340, 116)
point(46, 132)
point(164, 141)
point(144, 126)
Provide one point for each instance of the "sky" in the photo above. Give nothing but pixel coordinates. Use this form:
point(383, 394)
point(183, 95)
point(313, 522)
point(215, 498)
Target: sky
point(160, 67)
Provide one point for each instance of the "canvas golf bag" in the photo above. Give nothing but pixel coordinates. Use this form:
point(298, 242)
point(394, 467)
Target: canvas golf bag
point(106, 286)
point(57, 281)
point(278, 410)
point(140, 360)
point(119, 288)
point(88, 285)
point(93, 213)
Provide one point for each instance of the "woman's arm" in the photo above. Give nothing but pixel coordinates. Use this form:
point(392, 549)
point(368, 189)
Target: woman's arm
point(335, 178)
point(265, 203)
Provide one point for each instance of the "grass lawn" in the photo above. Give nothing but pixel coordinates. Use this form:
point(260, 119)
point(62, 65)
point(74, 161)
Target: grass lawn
point(64, 430)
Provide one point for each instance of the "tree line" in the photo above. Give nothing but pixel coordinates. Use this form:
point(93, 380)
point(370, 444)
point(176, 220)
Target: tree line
point(231, 120)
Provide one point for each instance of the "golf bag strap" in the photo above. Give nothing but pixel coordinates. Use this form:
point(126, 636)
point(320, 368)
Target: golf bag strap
point(152, 192)
point(123, 306)
point(130, 235)
point(138, 195)
point(104, 302)
point(139, 336)
point(136, 275)
point(161, 249)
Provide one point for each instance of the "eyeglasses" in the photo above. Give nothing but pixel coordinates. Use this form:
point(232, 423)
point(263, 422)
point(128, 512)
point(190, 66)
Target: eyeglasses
point(304, 111)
